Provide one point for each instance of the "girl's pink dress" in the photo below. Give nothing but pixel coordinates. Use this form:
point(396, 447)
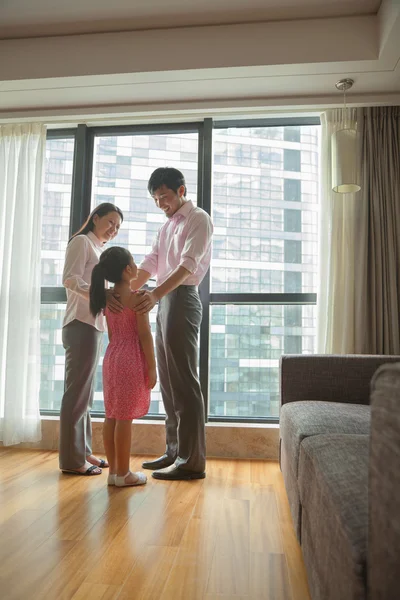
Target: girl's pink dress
point(126, 395)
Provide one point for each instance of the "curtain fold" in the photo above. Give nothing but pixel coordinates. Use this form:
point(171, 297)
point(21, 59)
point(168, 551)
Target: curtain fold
point(378, 213)
point(22, 155)
point(337, 248)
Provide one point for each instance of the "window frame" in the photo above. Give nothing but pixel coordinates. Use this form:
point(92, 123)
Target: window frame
point(81, 194)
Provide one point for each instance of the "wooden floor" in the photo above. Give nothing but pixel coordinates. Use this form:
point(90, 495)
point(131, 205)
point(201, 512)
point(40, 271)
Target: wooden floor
point(228, 536)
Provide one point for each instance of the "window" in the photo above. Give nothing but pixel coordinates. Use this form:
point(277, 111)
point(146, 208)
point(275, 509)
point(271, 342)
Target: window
point(56, 208)
point(56, 217)
point(292, 160)
point(260, 297)
point(265, 242)
point(292, 134)
point(257, 228)
point(52, 356)
point(292, 190)
point(292, 220)
point(245, 346)
point(135, 158)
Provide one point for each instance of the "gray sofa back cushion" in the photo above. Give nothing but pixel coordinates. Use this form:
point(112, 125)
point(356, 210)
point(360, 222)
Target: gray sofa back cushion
point(384, 486)
point(344, 378)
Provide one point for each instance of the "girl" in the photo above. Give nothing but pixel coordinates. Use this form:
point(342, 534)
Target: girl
point(81, 336)
point(129, 369)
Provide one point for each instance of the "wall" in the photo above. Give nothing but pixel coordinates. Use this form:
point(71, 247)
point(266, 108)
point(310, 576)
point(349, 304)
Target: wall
point(148, 437)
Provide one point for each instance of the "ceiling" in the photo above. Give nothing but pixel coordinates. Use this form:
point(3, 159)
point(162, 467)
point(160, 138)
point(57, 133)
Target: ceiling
point(23, 18)
point(68, 60)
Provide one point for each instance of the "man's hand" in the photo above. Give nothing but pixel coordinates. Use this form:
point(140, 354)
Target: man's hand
point(146, 301)
point(113, 302)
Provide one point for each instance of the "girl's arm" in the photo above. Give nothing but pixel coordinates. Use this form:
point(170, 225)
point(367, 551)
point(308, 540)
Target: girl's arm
point(146, 341)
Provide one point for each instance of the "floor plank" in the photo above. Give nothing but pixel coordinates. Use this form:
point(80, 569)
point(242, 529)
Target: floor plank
point(149, 575)
point(96, 591)
point(228, 536)
point(230, 569)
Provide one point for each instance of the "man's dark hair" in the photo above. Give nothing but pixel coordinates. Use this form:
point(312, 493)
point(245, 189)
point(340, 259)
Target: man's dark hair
point(168, 176)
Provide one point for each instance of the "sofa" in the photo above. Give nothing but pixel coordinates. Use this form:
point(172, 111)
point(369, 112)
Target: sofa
point(340, 460)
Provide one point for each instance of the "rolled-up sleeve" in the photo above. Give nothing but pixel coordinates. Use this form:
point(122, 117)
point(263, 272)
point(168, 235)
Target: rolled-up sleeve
point(197, 242)
point(150, 261)
point(76, 258)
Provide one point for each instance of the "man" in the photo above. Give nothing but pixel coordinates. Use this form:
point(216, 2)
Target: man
point(180, 258)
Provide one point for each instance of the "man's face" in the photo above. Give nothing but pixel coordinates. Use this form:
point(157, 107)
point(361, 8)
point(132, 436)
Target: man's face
point(168, 200)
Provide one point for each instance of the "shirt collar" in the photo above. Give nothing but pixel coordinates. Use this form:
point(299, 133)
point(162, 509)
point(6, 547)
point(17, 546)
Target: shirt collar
point(185, 210)
point(95, 240)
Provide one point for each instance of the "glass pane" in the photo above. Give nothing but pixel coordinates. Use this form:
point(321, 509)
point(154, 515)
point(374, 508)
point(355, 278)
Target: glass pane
point(56, 209)
point(265, 203)
point(246, 342)
point(122, 168)
point(52, 356)
point(53, 362)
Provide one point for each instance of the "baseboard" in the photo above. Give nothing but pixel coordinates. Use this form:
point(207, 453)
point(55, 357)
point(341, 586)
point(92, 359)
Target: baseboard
point(224, 440)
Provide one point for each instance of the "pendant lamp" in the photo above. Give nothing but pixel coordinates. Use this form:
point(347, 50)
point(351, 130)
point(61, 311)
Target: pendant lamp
point(344, 150)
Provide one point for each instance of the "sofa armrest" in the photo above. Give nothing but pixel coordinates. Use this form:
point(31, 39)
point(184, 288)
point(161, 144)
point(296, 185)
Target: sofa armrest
point(329, 377)
point(384, 485)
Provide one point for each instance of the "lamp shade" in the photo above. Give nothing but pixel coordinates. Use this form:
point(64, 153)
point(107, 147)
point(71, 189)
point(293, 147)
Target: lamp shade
point(344, 162)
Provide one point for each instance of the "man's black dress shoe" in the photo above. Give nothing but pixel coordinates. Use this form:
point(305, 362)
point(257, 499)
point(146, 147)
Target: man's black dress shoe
point(174, 473)
point(159, 463)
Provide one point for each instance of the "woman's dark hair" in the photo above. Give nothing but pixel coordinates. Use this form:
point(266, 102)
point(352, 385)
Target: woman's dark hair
point(168, 176)
point(101, 210)
point(112, 263)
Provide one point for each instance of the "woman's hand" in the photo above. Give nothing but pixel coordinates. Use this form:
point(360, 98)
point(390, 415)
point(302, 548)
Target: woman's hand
point(113, 303)
point(152, 377)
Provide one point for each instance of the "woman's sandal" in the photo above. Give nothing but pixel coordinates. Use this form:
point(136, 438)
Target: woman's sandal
point(111, 479)
point(120, 480)
point(88, 473)
point(102, 463)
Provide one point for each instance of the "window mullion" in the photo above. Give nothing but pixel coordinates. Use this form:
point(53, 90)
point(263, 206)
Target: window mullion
point(82, 177)
point(205, 180)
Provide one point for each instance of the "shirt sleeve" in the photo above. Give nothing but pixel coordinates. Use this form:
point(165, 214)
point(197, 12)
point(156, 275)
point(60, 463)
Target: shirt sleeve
point(76, 257)
point(197, 242)
point(150, 262)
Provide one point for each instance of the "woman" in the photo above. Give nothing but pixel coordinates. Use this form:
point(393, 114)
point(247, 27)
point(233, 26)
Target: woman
point(82, 334)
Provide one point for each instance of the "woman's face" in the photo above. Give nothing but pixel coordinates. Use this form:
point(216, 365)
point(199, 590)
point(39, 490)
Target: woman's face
point(106, 228)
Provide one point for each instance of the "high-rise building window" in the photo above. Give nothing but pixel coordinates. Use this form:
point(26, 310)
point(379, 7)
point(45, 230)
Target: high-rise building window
point(292, 134)
point(292, 190)
point(292, 160)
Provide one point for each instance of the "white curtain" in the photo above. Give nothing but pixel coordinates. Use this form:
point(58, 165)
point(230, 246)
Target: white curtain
point(22, 154)
point(338, 273)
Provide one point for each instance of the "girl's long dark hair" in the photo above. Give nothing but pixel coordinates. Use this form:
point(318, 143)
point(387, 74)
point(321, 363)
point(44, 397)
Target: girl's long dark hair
point(110, 268)
point(101, 210)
